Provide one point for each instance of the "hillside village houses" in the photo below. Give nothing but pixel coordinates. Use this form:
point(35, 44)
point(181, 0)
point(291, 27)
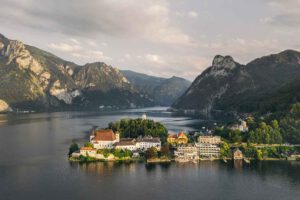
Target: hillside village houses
point(241, 126)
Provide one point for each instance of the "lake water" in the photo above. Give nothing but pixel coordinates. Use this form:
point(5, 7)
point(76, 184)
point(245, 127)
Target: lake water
point(33, 165)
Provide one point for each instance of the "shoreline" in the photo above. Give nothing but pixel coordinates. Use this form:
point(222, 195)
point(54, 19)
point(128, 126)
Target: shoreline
point(167, 160)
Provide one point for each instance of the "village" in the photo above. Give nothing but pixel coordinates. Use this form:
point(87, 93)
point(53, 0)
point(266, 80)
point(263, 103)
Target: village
point(107, 145)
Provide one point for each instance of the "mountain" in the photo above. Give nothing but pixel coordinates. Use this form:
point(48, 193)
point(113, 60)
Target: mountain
point(281, 99)
point(164, 91)
point(33, 79)
point(230, 86)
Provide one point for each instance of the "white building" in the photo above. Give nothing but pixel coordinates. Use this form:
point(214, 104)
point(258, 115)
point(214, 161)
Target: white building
point(126, 144)
point(88, 151)
point(208, 150)
point(146, 142)
point(186, 153)
point(102, 139)
point(208, 139)
point(144, 116)
point(242, 126)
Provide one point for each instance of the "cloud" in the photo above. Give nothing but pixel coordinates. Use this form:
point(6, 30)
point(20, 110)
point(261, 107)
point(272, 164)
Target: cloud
point(285, 13)
point(65, 47)
point(92, 56)
point(132, 18)
point(244, 49)
point(77, 49)
point(191, 14)
point(156, 59)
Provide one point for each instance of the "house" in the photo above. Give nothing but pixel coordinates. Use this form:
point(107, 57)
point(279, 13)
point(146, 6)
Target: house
point(126, 144)
point(172, 138)
point(208, 150)
point(180, 138)
point(146, 142)
point(88, 151)
point(237, 154)
point(104, 138)
point(208, 139)
point(241, 126)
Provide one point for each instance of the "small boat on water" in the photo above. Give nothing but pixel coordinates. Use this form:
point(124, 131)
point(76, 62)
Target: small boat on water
point(247, 161)
point(224, 160)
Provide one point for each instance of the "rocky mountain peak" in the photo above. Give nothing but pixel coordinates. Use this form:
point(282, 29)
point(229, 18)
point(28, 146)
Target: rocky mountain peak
point(221, 62)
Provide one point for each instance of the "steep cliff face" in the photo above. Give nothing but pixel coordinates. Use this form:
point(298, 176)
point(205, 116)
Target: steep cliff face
point(31, 78)
point(99, 76)
point(229, 86)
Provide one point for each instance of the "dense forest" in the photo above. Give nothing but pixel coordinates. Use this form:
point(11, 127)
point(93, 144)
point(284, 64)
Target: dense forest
point(132, 128)
point(276, 128)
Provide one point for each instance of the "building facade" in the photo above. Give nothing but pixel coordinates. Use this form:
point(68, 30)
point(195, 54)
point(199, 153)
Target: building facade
point(103, 138)
point(237, 154)
point(208, 150)
point(146, 142)
point(88, 151)
point(126, 144)
point(180, 138)
point(186, 153)
point(207, 139)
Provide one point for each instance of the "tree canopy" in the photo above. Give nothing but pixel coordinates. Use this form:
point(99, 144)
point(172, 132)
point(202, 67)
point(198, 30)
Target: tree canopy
point(132, 128)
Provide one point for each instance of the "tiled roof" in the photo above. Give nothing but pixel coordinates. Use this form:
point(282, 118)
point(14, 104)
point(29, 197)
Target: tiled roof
point(149, 139)
point(104, 135)
point(126, 142)
point(181, 134)
point(172, 136)
point(87, 149)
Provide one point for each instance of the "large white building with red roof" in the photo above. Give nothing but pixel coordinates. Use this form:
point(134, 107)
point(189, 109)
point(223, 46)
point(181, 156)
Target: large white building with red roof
point(104, 139)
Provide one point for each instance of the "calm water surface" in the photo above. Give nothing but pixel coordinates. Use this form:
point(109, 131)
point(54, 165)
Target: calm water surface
point(33, 165)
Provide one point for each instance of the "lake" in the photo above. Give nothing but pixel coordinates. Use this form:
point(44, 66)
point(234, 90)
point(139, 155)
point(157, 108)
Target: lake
point(33, 165)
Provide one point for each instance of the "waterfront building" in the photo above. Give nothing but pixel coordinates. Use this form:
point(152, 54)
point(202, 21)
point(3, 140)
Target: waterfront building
point(208, 150)
point(237, 154)
point(126, 144)
point(104, 138)
point(146, 142)
point(180, 138)
point(88, 151)
point(207, 139)
point(186, 153)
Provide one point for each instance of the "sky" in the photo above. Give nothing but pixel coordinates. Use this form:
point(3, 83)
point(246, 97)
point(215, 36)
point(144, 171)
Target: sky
point(157, 37)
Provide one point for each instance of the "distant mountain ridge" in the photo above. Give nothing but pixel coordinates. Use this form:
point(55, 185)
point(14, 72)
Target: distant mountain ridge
point(164, 91)
point(33, 79)
point(229, 86)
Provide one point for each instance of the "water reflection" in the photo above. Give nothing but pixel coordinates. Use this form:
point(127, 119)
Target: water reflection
point(33, 165)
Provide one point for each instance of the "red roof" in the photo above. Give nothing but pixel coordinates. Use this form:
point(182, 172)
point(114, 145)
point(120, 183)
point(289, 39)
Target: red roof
point(87, 149)
point(172, 136)
point(181, 134)
point(104, 135)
